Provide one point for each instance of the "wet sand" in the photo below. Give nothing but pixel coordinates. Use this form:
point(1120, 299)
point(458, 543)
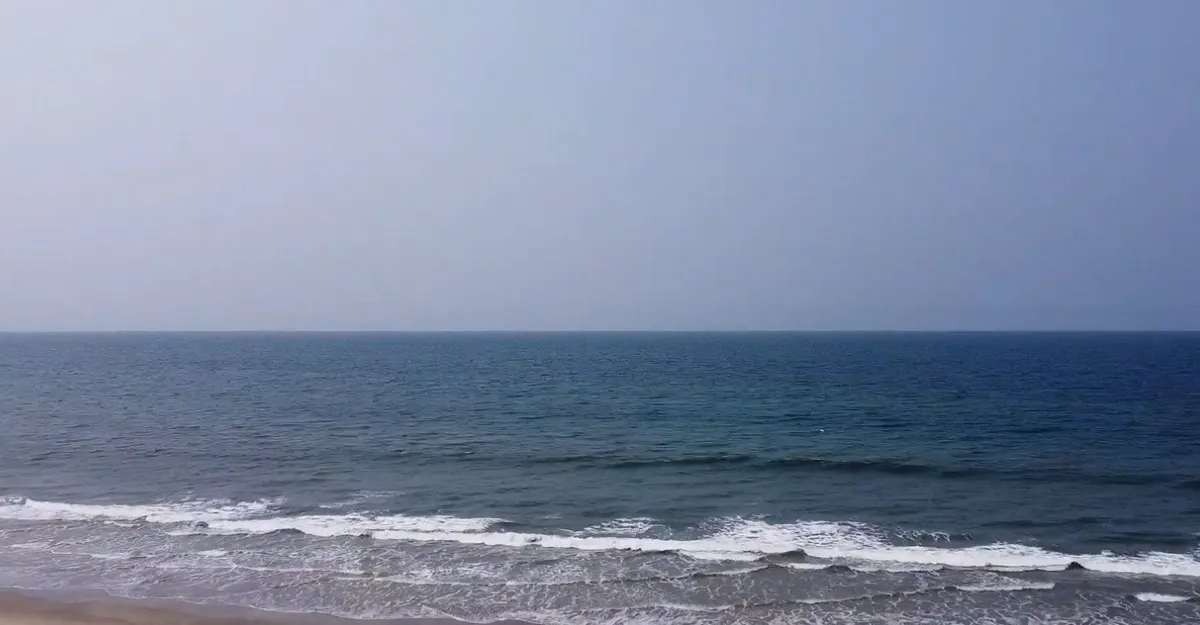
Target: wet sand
point(26, 609)
point(16, 609)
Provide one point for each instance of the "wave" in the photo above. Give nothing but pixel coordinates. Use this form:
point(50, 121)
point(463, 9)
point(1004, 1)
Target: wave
point(329, 525)
point(730, 539)
point(196, 511)
point(682, 461)
point(803, 566)
point(897, 467)
point(1033, 524)
point(697, 575)
point(884, 466)
point(1007, 585)
point(1037, 429)
point(359, 499)
point(623, 527)
point(567, 459)
point(1159, 597)
point(1160, 538)
point(890, 466)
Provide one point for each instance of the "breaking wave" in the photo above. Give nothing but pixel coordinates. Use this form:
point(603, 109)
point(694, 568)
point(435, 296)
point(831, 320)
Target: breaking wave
point(802, 544)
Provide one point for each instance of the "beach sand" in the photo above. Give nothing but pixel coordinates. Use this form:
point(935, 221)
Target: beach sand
point(26, 609)
point(19, 609)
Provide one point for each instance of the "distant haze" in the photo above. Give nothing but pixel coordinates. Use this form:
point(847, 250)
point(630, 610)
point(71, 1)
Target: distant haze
point(536, 164)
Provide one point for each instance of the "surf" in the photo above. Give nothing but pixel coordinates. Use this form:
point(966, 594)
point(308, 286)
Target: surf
point(806, 543)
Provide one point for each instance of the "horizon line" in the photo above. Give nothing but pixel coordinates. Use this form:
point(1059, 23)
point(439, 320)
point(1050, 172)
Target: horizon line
point(620, 331)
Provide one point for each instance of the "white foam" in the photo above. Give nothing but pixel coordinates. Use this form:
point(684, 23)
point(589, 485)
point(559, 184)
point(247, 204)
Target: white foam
point(898, 567)
point(805, 566)
point(722, 556)
point(419, 527)
point(1006, 586)
point(861, 542)
point(178, 512)
point(680, 607)
point(622, 527)
point(108, 556)
point(31, 546)
point(360, 498)
point(1159, 598)
point(734, 539)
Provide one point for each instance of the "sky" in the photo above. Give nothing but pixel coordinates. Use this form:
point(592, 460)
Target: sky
point(577, 165)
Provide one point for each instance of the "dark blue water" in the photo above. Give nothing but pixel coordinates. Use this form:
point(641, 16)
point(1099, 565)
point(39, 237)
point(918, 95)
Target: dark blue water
point(600, 478)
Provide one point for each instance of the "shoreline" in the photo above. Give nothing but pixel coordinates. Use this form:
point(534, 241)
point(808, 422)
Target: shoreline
point(33, 607)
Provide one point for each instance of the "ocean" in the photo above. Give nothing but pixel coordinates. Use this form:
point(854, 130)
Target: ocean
point(604, 478)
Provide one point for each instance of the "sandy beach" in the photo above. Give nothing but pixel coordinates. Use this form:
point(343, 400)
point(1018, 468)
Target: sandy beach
point(25, 609)
point(19, 609)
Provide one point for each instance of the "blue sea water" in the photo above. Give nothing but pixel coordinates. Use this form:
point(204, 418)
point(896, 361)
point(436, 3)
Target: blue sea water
point(611, 478)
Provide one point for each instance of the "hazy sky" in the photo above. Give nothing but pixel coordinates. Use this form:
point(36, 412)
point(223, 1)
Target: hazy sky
point(562, 164)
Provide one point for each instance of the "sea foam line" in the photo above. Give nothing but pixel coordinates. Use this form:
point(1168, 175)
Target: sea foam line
point(734, 539)
point(194, 511)
point(1159, 597)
